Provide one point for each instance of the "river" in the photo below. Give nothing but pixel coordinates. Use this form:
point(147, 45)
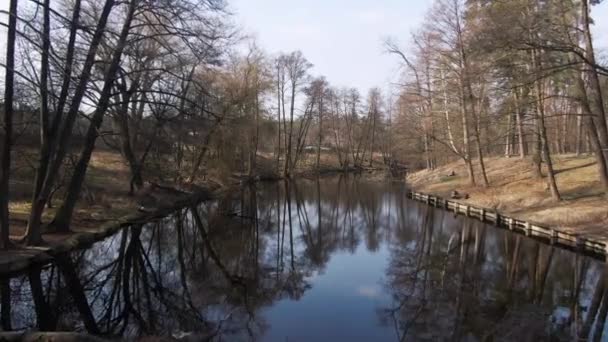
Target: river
point(336, 259)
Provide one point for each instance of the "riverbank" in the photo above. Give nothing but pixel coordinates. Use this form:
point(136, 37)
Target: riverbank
point(21, 257)
point(515, 192)
point(106, 206)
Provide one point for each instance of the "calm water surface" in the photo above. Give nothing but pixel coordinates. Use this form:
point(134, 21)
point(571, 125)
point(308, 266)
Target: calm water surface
point(340, 259)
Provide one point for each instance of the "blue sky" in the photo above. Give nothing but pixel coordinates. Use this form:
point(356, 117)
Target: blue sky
point(342, 38)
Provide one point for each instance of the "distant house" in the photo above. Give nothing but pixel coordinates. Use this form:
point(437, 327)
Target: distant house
point(313, 149)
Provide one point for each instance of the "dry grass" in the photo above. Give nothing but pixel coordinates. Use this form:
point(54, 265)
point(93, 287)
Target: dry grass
point(105, 195)
point(104, 203)
point(514, 190)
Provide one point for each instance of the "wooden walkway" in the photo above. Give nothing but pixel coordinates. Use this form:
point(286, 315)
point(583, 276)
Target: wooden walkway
point(572, 241)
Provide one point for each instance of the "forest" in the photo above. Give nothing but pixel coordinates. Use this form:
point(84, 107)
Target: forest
point(182, 95)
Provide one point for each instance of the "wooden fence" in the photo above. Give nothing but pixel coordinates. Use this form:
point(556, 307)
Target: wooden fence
point(569, 240)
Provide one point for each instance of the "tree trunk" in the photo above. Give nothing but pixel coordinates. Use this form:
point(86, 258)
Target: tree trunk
point(537, 156)
point(68, 270)
point(199, 159)
point(43, 87)
point(508, 141)
point(598, 294)
point(465, 137)
point(427, 157)
point(7, 147)
point(579, 130)
point(547, 154)
point(48, 145)
point(288, 161)
point(589, 120)
point(64, 214)
point(5, 303)
point(430, 148)
point(279, 117)
point(520, 125)
point(596, 95)
point(542, 130)
point(372, 143)
point(126, 146)
point(44, 315)
point(601, 319)
point(33, 234)
point(320, 135)
point(482, 164)
point(256, 137)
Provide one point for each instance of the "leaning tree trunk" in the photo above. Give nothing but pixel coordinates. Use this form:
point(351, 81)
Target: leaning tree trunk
point(593, 102)
point(596, 96)
point(547, 156)
point(64, 214)
point(33, 234)
point(542, 129)
point(45, 318)
point(76, 290)
point(593, 135)
point(48, 146)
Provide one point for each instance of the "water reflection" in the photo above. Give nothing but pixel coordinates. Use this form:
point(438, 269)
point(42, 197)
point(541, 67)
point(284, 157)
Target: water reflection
point(336, 259)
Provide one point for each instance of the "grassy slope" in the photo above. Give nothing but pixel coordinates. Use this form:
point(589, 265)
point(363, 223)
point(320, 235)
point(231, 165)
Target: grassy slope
point(513, 190)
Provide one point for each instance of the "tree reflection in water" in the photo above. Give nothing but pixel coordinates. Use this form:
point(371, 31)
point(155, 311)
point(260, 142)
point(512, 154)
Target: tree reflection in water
point(213, 271)
point(460, 280)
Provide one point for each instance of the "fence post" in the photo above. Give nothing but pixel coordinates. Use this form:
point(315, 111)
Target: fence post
point(553, 236)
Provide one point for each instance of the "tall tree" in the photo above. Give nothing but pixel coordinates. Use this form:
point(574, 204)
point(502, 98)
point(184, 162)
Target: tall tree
point(296, 67)
point(9, 91)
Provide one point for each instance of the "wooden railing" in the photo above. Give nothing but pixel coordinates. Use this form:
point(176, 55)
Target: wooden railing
point(552, 236)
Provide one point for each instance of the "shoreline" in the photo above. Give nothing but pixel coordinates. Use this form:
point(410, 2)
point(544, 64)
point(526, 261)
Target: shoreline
point(579, 243)
point(516, 192)
point(18, 259)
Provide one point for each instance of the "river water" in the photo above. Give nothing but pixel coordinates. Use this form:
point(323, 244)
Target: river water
point(339, 259)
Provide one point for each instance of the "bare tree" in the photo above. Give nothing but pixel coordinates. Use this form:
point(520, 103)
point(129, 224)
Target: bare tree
point(8, 126)
point(296, 67)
